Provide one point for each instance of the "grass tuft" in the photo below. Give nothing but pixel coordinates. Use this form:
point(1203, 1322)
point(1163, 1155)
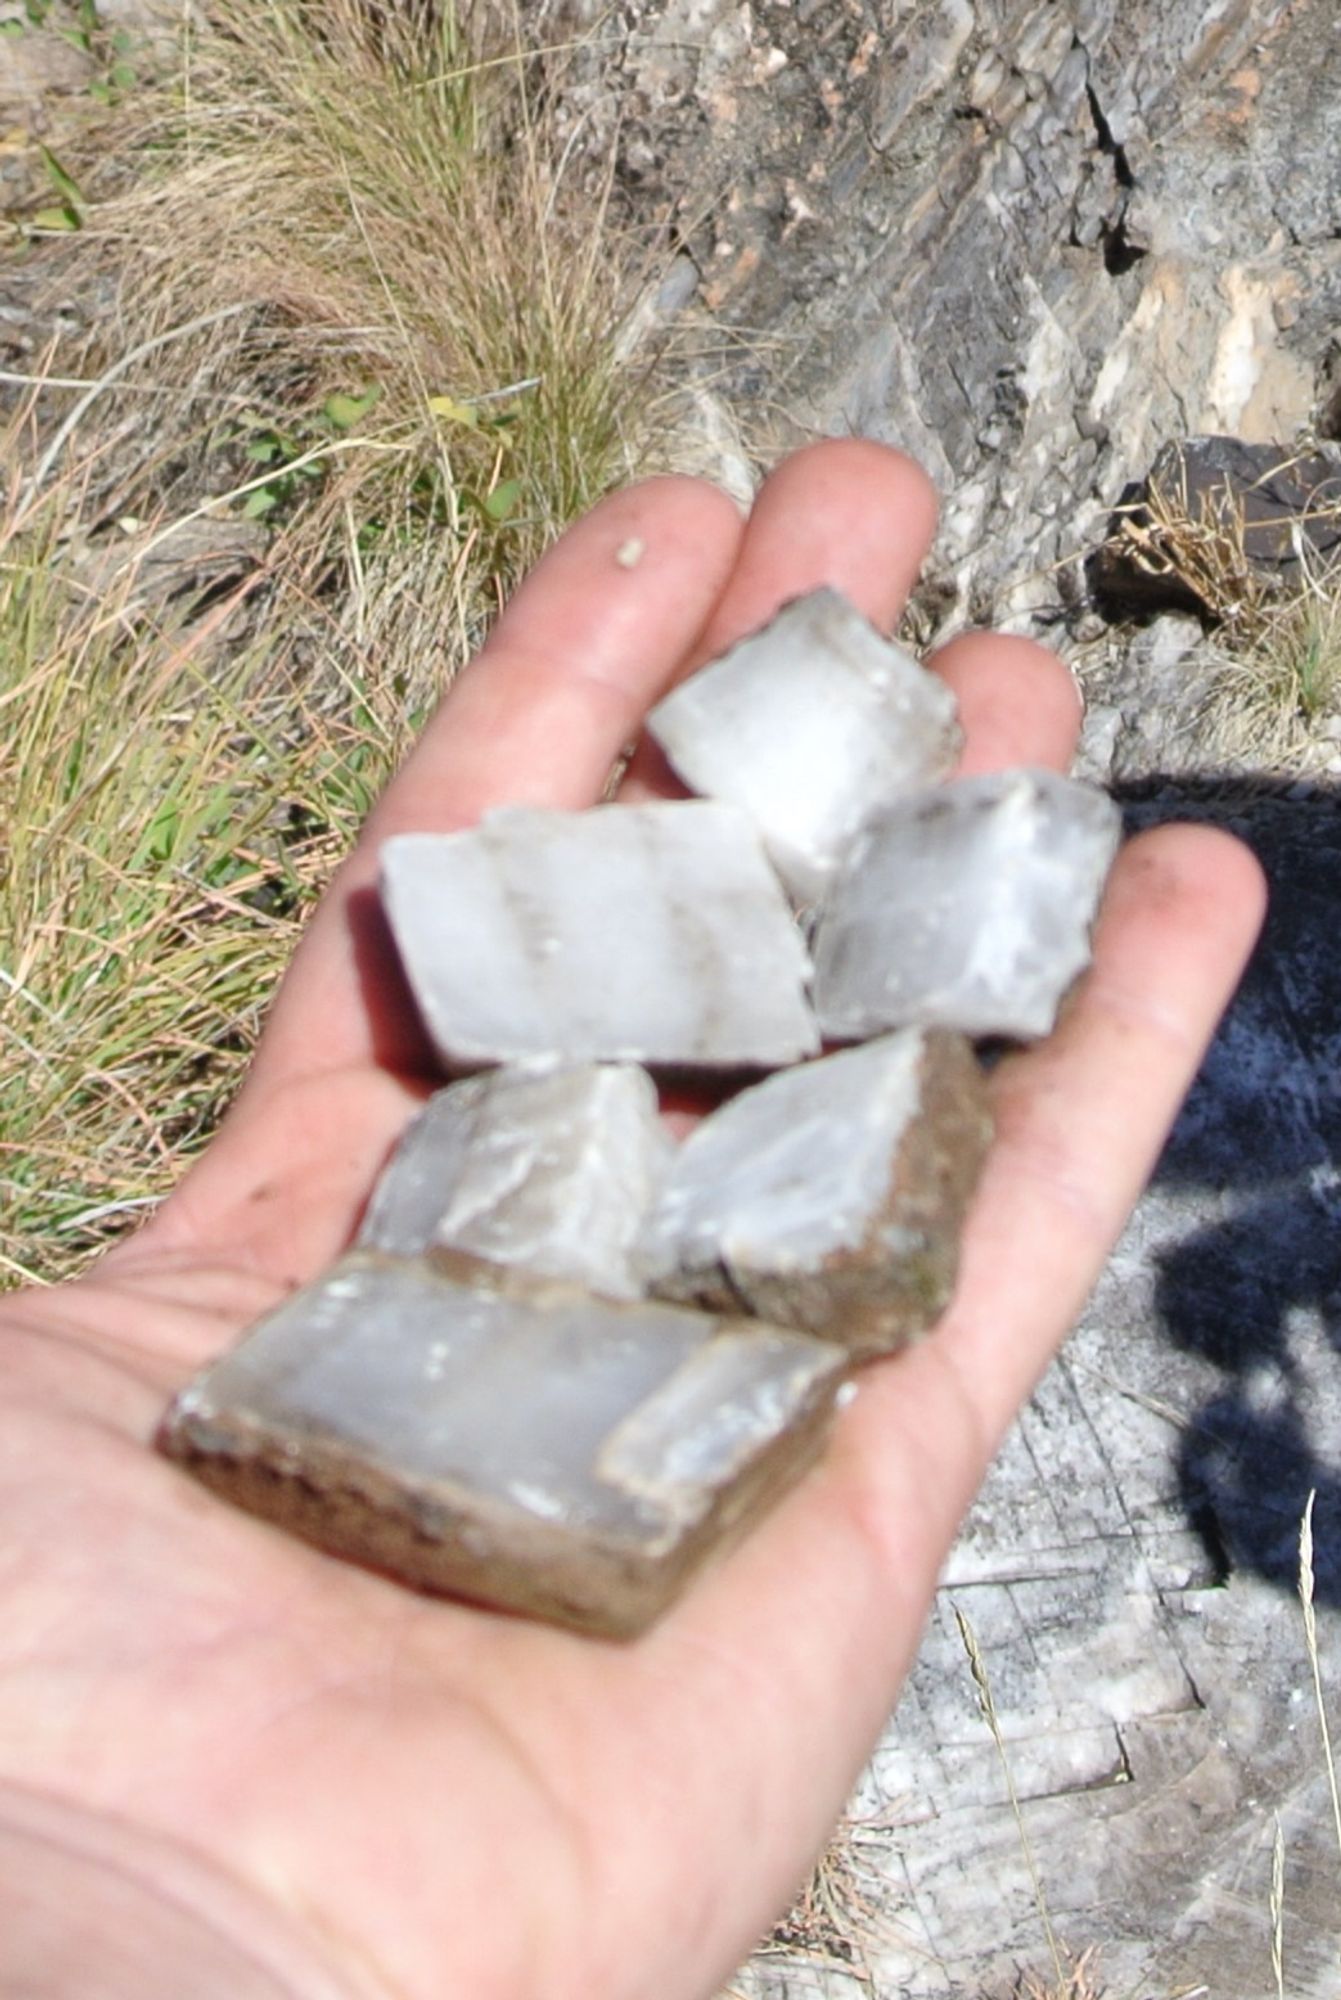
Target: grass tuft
point(419, 333)
point(1268, 702)
point(838, 1920)
point(172, 808)
point(353, 331)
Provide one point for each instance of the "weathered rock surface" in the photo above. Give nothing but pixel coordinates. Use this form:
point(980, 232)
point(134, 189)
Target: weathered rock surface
point(551, 1174)
point(558, 1455)
point(809, 726)
point(830, 1197)
point(969, 908)
point(1030, 241)
point(653, 934)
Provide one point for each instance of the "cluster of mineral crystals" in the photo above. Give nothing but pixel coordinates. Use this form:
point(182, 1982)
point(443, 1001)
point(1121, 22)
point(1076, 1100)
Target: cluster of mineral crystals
point(567, 1359)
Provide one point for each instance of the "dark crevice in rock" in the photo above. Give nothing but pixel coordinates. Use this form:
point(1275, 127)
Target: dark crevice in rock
point(1120, 253)
point(1107, 143)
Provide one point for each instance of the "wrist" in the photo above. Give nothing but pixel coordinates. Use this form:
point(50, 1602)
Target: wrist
point(92, 1905)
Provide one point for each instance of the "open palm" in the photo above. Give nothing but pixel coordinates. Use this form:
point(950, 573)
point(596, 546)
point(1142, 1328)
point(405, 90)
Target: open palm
point(256, 1770)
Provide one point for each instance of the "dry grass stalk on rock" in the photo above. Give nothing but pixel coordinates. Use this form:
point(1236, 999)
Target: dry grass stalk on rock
point(1277, 669)
point(840, 1919)
point(1078, 1980)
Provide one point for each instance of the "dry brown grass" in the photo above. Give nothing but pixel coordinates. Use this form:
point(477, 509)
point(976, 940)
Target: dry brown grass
point(1269, 701)
point(1078, 1980)
point(1276, 668)
point(840, 1920)
point(344, 295)
point(417, 344)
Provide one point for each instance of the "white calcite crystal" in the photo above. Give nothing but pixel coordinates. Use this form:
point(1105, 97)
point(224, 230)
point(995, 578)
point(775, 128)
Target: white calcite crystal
point(810, 725)
point(970, 907)
point(832, 1196)
point(558, 1455)
point(653, 934)
point(549, 1172)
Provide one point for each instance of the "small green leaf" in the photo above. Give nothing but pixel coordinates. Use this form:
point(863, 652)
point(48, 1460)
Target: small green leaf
point(453, 412)
point(64, 183)
point(502, 502)
point(56, 218)
point(160, 836)
point(123, 76)
point(11, 27)
point(263, 501)
point(123, 42)
point(101, 93)
point(346, 411)
point(264, 452)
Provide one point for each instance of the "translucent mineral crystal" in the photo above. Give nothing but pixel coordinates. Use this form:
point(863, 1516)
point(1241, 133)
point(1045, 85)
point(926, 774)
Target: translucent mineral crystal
point(810, 725)
point(548, 1172)
point(556, 1454)
point(652, 934)
point(969, 907)
point(830, 1197)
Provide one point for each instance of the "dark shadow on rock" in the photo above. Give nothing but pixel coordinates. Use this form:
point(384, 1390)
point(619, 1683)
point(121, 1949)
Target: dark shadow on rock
point(1226, 1292)
point(1245, 1476)
point(1256, 1291)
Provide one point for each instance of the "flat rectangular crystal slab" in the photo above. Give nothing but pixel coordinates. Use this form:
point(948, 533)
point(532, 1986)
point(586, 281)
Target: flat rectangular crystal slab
point(810, 725)
point(969, 907)
point(832, 1196)
point(550, 1172)
point(654, 934)
point(557, 1455)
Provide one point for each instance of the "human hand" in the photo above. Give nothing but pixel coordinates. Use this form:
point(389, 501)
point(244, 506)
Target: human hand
point(266, 1772)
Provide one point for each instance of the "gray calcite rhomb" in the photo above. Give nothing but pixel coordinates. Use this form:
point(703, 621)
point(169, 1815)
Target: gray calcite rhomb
point(555, 1454)
point(830, 1197)
point(810, 725)
point(969, 907)
point(550, 1172)
point(655, 934)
